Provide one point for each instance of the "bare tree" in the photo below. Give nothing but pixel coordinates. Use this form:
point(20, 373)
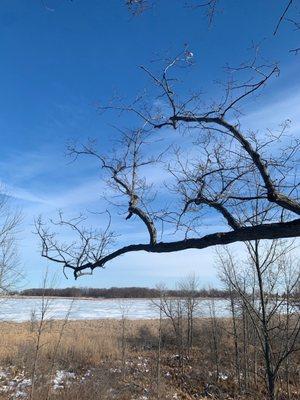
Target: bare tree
point(161, 288)
point(172, 308)
point(189, 287)
point(234, 310)
point(289, 15)
point(10, 273)
point(271, 313)
point(214, 341)
point(288, 12)
point(180, 312)
point(41, 324)
point(229, 171)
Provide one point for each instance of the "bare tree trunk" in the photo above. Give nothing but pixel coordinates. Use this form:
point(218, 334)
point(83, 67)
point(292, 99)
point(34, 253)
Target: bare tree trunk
point(255, 359)
point(235, 339)
point(267, 351)
point(245, 346)
point(158, 373)
point(45, 303)
point(215, 341)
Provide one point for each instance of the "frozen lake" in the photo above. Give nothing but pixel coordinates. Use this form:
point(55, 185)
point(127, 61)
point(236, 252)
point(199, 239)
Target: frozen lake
point(20, 309)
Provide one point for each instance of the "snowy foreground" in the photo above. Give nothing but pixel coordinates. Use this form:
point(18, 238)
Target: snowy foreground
point(22, 309)
point(16, 386)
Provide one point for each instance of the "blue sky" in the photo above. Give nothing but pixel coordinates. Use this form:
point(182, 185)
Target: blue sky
point(58, 63)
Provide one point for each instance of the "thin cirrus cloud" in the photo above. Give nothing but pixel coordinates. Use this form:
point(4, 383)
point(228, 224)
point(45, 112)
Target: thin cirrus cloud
point(273, 113)
point(70, 200)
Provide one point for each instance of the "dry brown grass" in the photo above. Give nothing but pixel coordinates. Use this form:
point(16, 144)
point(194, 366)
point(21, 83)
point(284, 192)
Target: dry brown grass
point(95, 347)
point(83, 342)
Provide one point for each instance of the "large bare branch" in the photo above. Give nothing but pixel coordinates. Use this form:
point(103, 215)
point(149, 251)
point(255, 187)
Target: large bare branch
point(266, 231)
point(230, 174)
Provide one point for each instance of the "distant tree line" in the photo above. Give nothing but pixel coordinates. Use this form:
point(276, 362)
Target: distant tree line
point(116, 292)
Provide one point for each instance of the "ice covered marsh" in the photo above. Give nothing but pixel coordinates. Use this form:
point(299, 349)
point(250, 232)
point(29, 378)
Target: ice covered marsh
point(22, 309)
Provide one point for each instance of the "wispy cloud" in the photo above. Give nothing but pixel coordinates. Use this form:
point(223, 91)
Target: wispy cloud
point(271, 113)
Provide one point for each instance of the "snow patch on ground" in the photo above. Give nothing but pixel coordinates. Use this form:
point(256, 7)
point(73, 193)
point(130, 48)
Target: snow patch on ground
point(62, 378)
point(16, 385)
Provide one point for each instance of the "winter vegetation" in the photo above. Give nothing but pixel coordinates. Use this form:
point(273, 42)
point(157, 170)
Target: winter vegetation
point(179, 355)
point(116, 292)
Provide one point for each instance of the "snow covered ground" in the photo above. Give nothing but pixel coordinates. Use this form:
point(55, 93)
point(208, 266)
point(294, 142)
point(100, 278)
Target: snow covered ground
point(21, 309)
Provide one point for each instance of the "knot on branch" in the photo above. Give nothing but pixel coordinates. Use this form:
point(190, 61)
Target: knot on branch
point(129, 215)
point(173, 121)
point(273, 197)
point(131, 207)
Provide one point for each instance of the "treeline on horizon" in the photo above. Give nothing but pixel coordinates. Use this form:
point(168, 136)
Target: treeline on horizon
point(119, 292)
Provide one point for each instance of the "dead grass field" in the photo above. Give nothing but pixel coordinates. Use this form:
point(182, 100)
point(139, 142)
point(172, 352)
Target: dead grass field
point(95, 360)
